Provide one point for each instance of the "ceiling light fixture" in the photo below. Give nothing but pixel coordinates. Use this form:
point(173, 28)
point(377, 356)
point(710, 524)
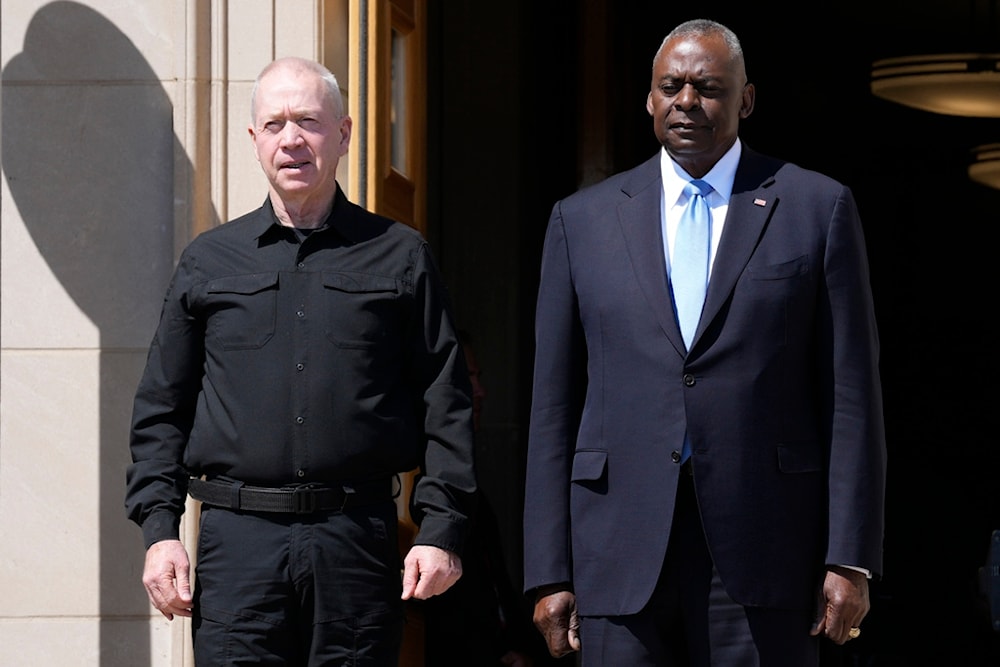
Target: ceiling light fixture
point(985, 165)
point(965, 83)
point(956, 84)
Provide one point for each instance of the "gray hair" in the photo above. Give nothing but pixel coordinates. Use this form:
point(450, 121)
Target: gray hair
point(299, 64)
point(704, 28)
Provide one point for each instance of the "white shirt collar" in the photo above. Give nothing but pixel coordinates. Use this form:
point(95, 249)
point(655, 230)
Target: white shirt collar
point(720, 177)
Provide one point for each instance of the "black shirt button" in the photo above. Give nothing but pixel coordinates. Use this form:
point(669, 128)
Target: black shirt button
point(300, 473)
point(300, 420)
point(675, 457)
point(688, 380)
point(301, 313)
point(299, 366)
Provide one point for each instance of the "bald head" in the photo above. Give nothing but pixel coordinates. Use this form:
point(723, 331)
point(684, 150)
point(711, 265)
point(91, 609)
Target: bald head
point(300, 66)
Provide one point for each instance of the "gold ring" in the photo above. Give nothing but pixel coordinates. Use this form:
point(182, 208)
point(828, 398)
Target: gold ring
point(854, 633)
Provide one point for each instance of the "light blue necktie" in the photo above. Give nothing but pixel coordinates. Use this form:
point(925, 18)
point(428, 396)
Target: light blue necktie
point(689, 268)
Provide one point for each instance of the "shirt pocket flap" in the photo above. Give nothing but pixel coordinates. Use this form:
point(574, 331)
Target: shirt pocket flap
point(350, 281)
point(589, 465)
point(250, 283)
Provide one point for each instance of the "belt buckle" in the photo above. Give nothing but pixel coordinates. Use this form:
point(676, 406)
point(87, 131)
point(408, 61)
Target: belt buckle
point(304, 499)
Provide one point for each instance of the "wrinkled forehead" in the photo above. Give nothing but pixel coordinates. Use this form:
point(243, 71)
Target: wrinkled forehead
point(292, 89)
point(697, 55)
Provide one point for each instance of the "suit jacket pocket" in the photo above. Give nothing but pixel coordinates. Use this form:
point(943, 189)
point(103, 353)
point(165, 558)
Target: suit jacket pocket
point(796, 267)
point(589, 465)
point(799, 457)
point(590, 470)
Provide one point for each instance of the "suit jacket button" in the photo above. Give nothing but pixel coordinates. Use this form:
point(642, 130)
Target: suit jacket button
point(688, 380)
point(675, 457)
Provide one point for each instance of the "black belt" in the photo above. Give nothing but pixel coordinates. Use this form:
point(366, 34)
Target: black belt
point(299, 499)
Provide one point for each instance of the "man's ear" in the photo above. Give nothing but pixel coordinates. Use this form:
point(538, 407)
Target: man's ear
point(649, 103)
point(346, 126)
point(749, 94)
point(253, 141)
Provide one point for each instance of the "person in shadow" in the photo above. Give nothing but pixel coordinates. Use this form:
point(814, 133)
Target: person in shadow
point(481, 621)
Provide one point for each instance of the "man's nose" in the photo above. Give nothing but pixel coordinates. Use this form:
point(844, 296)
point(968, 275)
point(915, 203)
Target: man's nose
point(687, 97)
point(291, 134)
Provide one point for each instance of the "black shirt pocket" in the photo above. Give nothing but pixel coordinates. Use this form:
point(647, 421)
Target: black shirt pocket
point(242, 310)
point(361, 311)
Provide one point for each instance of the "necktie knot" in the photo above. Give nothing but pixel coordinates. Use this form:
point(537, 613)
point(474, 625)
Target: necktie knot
point(697, 187)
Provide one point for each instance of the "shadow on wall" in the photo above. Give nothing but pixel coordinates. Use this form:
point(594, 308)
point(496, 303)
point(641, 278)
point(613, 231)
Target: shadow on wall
point(91, 161)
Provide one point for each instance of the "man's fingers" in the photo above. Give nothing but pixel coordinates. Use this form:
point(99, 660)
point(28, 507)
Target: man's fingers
point(555, 617)
point(166, 577)
point(573, 634)
point(184, 587)
point(410, 577)
point(429, 571)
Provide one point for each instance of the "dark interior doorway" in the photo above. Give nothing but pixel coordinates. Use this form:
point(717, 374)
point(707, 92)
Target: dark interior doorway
point(526, 104)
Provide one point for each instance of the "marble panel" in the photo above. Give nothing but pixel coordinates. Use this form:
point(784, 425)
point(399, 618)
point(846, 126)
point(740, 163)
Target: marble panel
point(89, 641)
point(50, 466)
point(88, 226)
point(247, 185)
point(250, 36)
point(296, 32)
point(119, 40)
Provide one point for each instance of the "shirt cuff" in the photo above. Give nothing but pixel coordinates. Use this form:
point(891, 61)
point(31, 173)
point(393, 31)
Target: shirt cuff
point(864, 571)
point(160, 526)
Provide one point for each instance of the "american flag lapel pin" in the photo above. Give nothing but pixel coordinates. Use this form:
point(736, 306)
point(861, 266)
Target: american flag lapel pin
point(760, 202)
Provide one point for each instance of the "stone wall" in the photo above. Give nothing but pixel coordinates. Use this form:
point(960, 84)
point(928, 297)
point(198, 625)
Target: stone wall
point(123, 130)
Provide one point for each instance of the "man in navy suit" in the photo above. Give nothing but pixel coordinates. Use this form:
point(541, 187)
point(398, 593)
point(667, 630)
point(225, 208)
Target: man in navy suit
point(762, 542)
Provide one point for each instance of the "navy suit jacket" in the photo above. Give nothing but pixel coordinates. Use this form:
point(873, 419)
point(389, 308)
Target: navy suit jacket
point(780, 394)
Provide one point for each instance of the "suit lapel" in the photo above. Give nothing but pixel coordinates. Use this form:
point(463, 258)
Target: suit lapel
point(639, 218)
point(750, 207)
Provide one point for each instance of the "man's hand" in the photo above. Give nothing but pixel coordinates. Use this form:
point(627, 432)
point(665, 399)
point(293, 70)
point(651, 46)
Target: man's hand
point(555, 617)
point(429, 571)
point(166, 578)
point(842, 604)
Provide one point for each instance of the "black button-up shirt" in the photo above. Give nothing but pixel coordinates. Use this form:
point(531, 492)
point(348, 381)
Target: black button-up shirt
point(282, 359)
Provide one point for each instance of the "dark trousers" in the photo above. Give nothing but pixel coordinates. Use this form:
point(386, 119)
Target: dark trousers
point(691, 621)
point(285, 589)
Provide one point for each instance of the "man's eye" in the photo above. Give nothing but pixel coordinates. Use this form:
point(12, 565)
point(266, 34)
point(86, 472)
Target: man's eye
point(310, 124)
point(669, 90)
point(273, 126)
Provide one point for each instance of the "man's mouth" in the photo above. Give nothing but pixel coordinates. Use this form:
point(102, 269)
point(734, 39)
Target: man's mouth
point(294, 165)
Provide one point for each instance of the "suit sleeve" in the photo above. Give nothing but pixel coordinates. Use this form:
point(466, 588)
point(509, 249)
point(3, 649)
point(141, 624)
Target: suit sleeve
point(559, 386)
point(857, 452)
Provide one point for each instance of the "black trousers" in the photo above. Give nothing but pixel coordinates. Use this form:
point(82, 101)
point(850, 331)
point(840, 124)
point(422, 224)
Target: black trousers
point(691, 621)
point(302, 590)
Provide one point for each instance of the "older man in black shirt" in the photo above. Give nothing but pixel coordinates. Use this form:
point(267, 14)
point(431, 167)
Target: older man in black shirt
point(305, 356)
